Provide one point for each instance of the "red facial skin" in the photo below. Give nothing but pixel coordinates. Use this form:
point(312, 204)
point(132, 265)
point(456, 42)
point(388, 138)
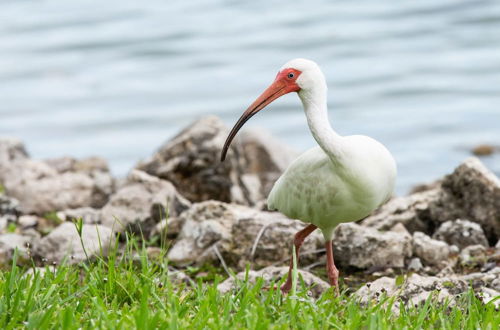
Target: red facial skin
point(285, 76)
point(284, 83)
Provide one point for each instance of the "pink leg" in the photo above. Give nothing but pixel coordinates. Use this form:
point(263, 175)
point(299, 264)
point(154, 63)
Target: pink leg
point(297, 241)
point(331, 270)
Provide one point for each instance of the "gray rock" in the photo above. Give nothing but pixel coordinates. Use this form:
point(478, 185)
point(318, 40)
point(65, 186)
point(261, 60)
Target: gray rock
point(411, 211)
point(314, 284)
point(191, 162)
point(168, 228)
point(471, 192)
point(401, 229)
point(461, 233)
point(41, 271)
point(495, 283)
point(9, 208)
point(425, 187)
point(11, 150)
point(178, 277)
point(415, 264)
point(454, 249)
point(40, 188)
point(414, 290)
point(33, 233)
point(473, 255)
point(237, 234)
point(487, 295)
point(27, 221)
point(4, 221)
point(266, 238)
point(204, 225)
point(430, 251)
point(63, 243)
point(9, 243)
point(265, 157)
point(86, 165)
point(89, 216)
point(141, 203)
point(482, 279)
point(364, 247)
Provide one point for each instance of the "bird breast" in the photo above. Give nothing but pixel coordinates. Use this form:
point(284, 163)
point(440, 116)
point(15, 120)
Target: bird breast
point(325, 192)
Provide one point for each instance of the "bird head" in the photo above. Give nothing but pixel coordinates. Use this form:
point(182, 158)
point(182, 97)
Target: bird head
point(298, 75)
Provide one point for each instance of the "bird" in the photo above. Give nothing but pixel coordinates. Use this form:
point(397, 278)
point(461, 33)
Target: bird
point(343, 179)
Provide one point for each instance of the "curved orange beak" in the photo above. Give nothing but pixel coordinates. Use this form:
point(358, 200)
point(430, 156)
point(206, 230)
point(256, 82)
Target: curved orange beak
point(278, 88)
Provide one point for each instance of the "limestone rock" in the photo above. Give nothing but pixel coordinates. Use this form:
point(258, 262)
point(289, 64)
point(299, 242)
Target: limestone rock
point(401, 229)
point(461, 233)
point(471, 192)
point(9, 209)
point(273, 274)
point(473, 255)
point(204, 225)
point(425, 187)
point(414, 290)
point(40, 188)
point(89, 215)
point(411, 211)
point(239, 234)
point(430, 251)
point(178, 277)
point(141, 203)
point(495, 283)
point(9, 243)
point(487, 295)
point(4, 222)
point(364, 247)
point(417, 288)
point(168, 228)
point(478, 280)
point(41, 271)
point(265, 157)
point(191, 162)
point(11, 150)
point(63, 243)
point(86, 165)
point(415, 264)
point(266, 239)
point(27, 221)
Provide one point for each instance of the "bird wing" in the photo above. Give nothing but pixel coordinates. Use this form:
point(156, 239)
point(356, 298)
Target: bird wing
point(307, 190)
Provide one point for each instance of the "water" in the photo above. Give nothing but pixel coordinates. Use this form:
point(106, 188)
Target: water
point(116, 79)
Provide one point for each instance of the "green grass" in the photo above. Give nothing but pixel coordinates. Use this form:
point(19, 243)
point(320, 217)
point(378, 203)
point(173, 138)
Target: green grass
point(122, 291)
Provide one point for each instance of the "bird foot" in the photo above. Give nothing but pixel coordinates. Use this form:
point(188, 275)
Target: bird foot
point(284, 291)
point(334, 284)
point(336, 289)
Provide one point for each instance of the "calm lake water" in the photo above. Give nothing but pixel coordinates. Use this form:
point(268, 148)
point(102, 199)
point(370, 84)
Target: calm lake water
point(116, 79)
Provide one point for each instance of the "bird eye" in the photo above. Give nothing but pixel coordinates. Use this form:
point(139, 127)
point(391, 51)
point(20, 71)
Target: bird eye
point(291, 75)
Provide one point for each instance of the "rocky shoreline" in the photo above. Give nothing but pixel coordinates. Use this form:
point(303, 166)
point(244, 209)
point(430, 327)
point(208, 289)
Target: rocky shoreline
point(442, 238)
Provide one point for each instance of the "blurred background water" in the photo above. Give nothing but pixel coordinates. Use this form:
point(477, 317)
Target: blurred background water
point(118, 78)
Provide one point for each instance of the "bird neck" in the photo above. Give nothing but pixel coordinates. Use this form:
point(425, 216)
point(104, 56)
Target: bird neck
point(316, 111)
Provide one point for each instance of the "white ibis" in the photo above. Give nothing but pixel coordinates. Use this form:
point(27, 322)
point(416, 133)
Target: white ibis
point(344, 179)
